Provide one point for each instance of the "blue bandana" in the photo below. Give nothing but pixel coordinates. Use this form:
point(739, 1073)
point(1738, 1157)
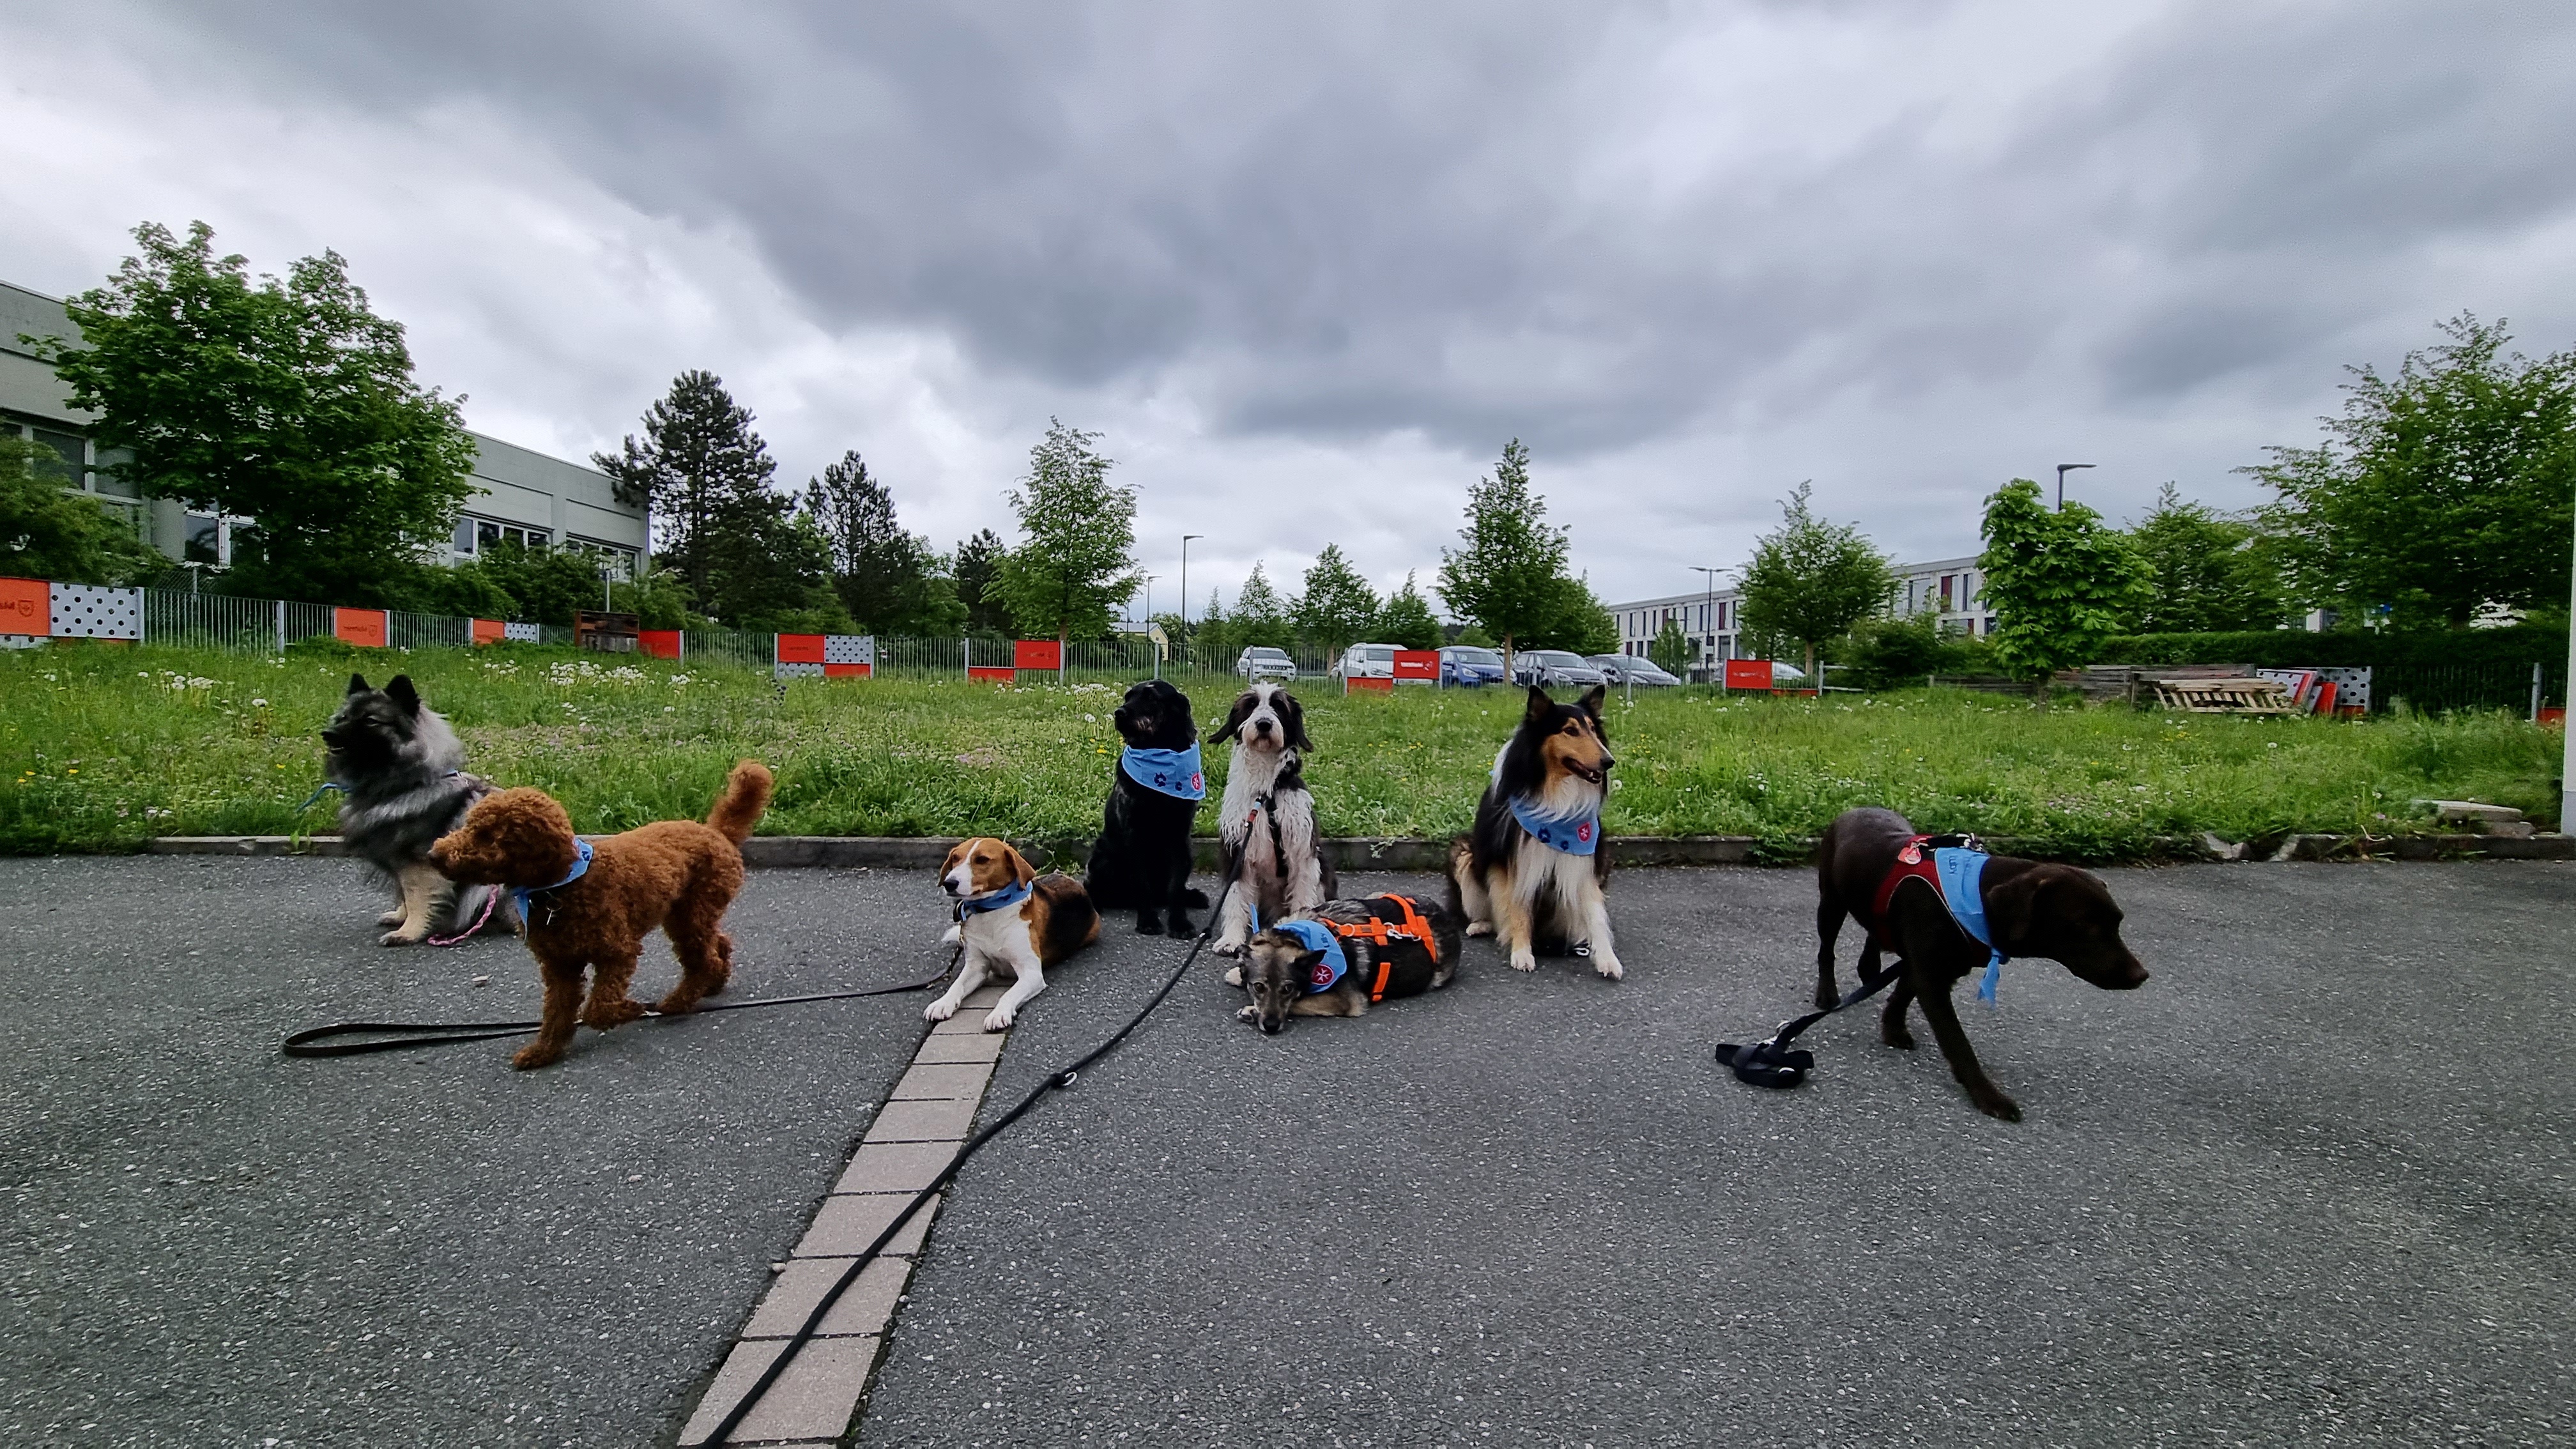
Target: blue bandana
point(1576, 834)
point(1962, 874)
point(1319, 937)
point(1009, 895)
point(580, 867)
point(1173, 772)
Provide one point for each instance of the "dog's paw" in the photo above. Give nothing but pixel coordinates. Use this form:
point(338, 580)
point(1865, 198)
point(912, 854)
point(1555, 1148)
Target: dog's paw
point(1229, 948)
point(401, 938)
point(1999, 1107)
point(1149, 926)
point(949, 936)
point(1000, 1019)
point(1607, 966)
point(1247, 1013)
point(1483, 928)
point(939, 1010)
point(1524, 959)
point(532, 1056)
point(1234, 977)
point(612, 1016)
point(1897, 1037)
point(391, 918)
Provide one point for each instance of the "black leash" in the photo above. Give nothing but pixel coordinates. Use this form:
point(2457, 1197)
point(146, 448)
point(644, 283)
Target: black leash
point(395, 1036)
point(1056, 1081)
point(1772, 1063)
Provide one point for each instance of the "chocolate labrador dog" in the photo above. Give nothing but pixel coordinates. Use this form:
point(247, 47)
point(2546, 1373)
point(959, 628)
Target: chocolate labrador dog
point(2032, 908)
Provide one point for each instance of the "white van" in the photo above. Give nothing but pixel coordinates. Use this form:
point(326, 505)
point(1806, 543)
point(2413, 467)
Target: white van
point(1367, 661)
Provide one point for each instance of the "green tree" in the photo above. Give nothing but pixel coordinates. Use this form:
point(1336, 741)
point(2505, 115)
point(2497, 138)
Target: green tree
point(2441, 492)
point(1812, 579)
point(889, 580)
point(697, 465)
point(773, 569)
point(1260, 615)
point(2060, 583)
point(1337, 607)
point(658, 600)
point(1509, 576)
point(1076, 560)
point(287, 403)
point(1580, 621)
point(47, 532)
point(2206, 571)
point(1212, 641)
point(978, 564)
point(1407, 621)
point(539, 585)
point(1670, 649)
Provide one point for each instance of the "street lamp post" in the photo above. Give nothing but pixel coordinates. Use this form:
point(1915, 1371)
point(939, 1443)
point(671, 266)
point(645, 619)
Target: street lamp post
point(1708, 612)
point(1185, 580)
point(2062, 470)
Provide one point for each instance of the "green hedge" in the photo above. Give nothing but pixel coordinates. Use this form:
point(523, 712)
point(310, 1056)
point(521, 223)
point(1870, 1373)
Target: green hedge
point(2295, 648)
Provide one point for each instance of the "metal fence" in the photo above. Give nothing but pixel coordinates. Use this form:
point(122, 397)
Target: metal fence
point(2524, 689)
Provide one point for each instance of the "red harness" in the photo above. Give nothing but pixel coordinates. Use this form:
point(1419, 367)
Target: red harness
point(1410, 926)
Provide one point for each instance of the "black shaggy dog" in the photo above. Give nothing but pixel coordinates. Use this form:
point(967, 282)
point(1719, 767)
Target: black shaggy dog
point(1142, 859)
point(2033, 908)
point(1537, 893)
point(402, 775)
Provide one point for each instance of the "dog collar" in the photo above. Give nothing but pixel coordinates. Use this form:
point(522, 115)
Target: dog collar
point(1327, 973)
point(581, 853)
point(1172, 772)
point(1009, 895)
point(1575, 832)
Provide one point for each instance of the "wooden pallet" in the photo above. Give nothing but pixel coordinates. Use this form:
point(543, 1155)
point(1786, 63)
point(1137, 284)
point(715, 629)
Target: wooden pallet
point(2224, 696)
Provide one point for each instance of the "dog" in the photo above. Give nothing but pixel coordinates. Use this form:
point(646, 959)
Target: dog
point(2032, 908)
point(591, 904)
point(1011, 920)
point(1142, 858)
point(401, 773)
point(1533, 872)
point(1269, 826)
point(1346, 957)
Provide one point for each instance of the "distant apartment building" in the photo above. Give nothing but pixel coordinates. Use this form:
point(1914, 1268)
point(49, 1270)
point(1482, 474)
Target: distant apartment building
point(1951, 589)
point(524, 496)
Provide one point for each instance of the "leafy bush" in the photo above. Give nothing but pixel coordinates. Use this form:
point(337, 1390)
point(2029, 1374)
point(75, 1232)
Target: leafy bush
point(2296, 648)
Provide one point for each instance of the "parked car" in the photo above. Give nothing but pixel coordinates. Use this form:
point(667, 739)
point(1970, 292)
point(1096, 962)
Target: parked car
point(1554, 669)
point(1621, 669)
point(1263, 662)
point(1468, 665)
point(1366, 661)
point(1785, 675)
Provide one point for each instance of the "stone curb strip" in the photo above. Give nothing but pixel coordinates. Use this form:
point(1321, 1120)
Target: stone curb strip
point(1414, 853)
point(926, 1118)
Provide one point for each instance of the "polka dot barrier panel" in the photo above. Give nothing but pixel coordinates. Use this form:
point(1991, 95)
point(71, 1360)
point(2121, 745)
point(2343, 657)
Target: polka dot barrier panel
point(86, 611)
point(849, 649)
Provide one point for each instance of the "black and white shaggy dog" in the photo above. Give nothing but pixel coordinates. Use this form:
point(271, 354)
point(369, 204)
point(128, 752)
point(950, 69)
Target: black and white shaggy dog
point(1269, 824)
point(402, 776)
point(1142, 858)
point(1533, 873)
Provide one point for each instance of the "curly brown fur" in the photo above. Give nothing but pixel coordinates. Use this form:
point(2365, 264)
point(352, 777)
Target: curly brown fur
point(2033, 908)
point(678, 875)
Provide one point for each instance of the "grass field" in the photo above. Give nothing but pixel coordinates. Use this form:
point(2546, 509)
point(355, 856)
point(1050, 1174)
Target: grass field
point(103, 746)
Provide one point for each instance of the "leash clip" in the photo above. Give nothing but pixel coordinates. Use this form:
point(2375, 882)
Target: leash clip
point(1066, 1080)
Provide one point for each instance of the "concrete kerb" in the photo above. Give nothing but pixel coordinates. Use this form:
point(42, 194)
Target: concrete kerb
point(1417, 853)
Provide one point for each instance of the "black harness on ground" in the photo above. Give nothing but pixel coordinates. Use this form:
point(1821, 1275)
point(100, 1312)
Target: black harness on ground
point(1772, 1062)
point(395, 1036)
point(1055, 1081)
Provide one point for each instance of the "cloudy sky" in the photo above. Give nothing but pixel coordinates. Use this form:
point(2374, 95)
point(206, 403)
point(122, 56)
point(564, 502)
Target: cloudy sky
point(1307, 266)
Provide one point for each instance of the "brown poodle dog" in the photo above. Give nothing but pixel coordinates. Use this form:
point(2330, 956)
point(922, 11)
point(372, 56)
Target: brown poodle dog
point(594, 905)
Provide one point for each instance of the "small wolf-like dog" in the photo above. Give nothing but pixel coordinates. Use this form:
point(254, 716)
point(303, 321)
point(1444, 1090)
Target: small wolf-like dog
point(1384, 946)
point(402, 774)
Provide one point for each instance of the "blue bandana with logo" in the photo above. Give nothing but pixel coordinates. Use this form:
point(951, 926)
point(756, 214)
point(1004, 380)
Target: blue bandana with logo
point(580, 867)
point(1009, 895)
point(1173, 772)
point(1577, 833)
point(1327, 973)
point(1963, 873)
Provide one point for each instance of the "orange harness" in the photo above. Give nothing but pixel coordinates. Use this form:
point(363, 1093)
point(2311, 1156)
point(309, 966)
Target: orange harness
point(1411, 927)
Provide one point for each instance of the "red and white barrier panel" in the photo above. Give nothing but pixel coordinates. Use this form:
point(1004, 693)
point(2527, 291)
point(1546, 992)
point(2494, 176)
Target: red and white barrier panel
point(660, 643)
point(830, 656)
point(1749, 674)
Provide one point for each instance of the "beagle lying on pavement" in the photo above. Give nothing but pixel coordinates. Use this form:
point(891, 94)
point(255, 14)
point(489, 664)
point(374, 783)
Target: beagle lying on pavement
point(1010, 922)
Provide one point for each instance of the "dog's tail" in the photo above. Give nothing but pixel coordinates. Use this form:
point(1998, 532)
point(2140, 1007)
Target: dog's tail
point(746, 794)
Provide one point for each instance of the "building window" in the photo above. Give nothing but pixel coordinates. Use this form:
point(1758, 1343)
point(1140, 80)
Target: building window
point(474, 535)
point(70, 458)
point(205, 540)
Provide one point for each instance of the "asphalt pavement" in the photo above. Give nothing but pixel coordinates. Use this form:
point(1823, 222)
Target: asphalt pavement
point(2311, 1184)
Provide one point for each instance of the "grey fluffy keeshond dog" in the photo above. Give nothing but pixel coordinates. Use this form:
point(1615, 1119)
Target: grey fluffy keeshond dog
point(402, 772)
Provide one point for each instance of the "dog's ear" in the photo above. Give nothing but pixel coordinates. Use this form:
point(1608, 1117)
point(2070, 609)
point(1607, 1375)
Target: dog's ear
point(1540, 706)
point(402, 694)
point(1244, 704)
point(357, 684)
point(1590, 703)
point(1293, 715)
point(2014, 907)
point(1021, 871)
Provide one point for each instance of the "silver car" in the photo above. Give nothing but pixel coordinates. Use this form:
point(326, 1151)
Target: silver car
point(1554, 669)
point(1634, 669)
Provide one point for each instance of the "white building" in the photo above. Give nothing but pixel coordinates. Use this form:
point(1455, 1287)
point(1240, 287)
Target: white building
point(1951, 588)
point(525, 497)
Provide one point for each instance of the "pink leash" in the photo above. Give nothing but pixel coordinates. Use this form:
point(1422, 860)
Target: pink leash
point(458, 939)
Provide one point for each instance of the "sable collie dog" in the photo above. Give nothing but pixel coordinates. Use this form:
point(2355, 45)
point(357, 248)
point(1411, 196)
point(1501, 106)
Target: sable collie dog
point(1269, 824)
point(1010, 921)
point(1533, 872)
point(1142, 858)
point(403, 784)
point(589, 905)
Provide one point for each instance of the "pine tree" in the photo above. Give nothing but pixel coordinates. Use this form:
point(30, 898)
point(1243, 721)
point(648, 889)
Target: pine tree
point(1076, 561)
point(978, 564)
point(888, 579)
point(1407, 621)
point(1509, 576)
point(698, 468)
point(1260, 615)
point(1212, 641)
point(1670, 650)
point(1337, 605)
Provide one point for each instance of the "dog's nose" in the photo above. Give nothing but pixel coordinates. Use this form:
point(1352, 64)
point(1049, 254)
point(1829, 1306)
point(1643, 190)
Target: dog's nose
point(1607, 762)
